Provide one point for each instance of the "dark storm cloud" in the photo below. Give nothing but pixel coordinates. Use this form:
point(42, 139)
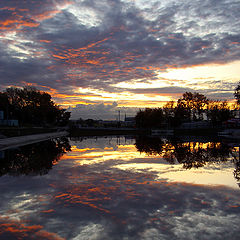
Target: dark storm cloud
point(95, 44)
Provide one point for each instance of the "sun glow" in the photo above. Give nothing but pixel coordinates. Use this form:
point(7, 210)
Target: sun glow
point(91, 156)
point(203, 73)
point(170, 85)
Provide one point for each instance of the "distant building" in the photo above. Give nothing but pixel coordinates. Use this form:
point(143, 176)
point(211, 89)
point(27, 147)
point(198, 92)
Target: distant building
point(2, 154)
point(108, 123)
point(10, 123)
point(1, 115)
point(195, 125)
point(129, 122)
point(5, 122)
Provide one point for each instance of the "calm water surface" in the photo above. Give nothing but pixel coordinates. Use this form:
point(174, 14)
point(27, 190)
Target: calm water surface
point(121, 188)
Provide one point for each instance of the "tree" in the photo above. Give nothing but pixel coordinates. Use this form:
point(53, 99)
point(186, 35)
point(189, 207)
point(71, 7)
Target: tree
point(237, 93)
point(31, 106)
point(169, 113)
point(150, 117)
point(34, 159)
point(193, 104)
point(150, 146)
point(218, 112)
point(181, 113)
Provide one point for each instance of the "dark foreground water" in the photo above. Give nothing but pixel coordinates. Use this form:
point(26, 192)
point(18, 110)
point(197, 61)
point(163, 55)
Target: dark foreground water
point(121, 188)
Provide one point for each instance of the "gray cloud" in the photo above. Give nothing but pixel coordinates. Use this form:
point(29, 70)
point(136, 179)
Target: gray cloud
point(112, 41)
point(101, 111)
point(162, 90)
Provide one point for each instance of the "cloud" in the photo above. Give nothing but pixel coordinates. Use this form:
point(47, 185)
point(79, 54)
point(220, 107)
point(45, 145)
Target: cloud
point(96, 44)
point(163, 90)
point(101, 111)
point(11, 229)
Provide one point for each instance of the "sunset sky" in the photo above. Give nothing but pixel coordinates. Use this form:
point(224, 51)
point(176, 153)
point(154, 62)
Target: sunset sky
point(97, 56)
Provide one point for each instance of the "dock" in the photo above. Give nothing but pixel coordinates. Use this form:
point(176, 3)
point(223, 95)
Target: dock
point(14, 142)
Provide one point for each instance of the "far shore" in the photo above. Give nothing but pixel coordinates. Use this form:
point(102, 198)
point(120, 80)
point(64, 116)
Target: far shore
point(14, 137)
point(91, 131)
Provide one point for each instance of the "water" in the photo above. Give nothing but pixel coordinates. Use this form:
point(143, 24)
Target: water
point(121, 188)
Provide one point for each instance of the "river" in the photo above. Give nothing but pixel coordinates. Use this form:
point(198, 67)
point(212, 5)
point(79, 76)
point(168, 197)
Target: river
point(121, 188)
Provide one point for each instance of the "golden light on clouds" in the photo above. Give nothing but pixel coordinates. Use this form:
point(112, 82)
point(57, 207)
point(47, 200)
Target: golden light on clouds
point(133, 53)
point(195, 74)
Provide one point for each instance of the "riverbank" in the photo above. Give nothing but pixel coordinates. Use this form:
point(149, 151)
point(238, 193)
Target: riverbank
point(13, 142)
point(23, 131)
point(106, 131)
point(93, 131)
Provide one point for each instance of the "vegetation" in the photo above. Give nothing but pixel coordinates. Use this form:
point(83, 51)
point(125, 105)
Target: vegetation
point(189, 154)
point(190, 107)
point(237, 93)
point(218, 112)
point(33, 159)
point(31, 106)
point(149, 118)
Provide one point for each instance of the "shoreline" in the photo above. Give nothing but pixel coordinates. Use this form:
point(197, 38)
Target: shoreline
point(18, 141)
point(13, 142)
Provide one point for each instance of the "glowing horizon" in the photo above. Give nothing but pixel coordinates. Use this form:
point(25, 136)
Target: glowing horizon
point(128, 53)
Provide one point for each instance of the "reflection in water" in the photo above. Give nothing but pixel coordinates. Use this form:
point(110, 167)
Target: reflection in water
point(237, 170)
point(190, 154)
point(35, 159)
point(95, 192)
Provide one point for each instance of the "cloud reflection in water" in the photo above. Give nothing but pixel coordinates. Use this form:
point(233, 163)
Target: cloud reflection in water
point(101, 200)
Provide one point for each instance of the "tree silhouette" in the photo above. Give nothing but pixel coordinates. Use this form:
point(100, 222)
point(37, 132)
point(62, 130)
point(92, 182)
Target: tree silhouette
point(35, 159)
point(218, 112)
point(237, 93)
point(150, 117)
point(194, 105)
point(31, 106)
point(189, 154)
point(149, 145)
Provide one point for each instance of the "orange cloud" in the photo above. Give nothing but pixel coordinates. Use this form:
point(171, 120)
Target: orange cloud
point(8, 8)
point(93, 44)
point(16, 23)
point(45, 15)
point(48, 211)
point(16, 20)
point(83, 56)
point(75, 149)
point(45, 41)
point(58, 56)
point(17, 230)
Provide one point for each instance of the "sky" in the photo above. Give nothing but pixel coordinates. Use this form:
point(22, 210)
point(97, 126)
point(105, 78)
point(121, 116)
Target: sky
point(96, 57)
